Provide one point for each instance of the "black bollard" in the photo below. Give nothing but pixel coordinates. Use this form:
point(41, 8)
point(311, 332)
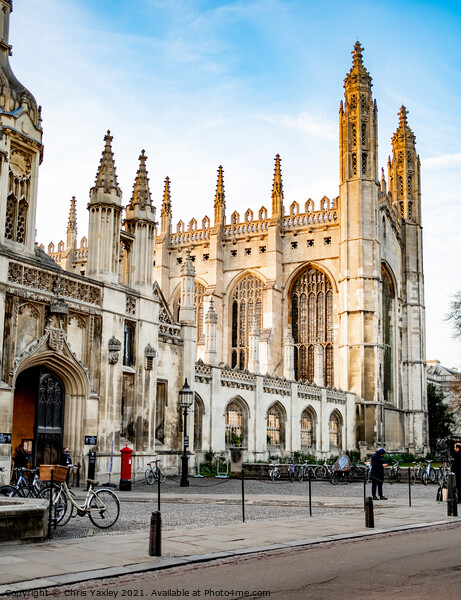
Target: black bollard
point(158, 492)
point(452, 506)
point(155, 538)
point(79, 466)
point(369, 515)
point(310, 493)
point(409, 486)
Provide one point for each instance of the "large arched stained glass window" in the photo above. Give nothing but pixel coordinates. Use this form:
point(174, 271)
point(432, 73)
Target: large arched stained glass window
point(246, 305)
point(307, 430)
point(312, 323)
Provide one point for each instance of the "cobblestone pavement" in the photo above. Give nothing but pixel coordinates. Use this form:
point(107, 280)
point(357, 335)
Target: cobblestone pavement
point(192, 509)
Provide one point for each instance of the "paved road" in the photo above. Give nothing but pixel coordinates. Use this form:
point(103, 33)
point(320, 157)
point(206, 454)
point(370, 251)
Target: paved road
point(416, 565)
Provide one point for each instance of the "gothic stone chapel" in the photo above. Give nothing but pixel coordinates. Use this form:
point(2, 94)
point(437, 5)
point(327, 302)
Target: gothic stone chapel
point(298, 327)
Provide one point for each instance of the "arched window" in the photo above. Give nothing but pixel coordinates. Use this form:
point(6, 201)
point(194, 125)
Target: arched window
point(387, 306)
point(335, 428)
point(307, 430)
point(128, 344)
point(236, 424)
point(16, 219)
point(275, 428)
point(312, 323)
point(246, 305)
point(199, 409)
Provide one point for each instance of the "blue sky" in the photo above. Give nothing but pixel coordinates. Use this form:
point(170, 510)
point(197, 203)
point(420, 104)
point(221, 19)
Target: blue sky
point(202, 83)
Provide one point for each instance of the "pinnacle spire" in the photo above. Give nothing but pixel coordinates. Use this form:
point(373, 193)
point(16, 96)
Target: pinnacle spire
point(72, 222)
point(220, 201)
point(358, 73)
point(166, 205)
point(106, 176)
point(277, 189)
point(141, 193)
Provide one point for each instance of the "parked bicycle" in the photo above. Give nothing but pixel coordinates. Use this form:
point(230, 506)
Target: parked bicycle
point(274, 472)
point(428, 474)
point(22, 488)
point(154, 472)
point(322, 471)
point(291, 470)
point(101, 505)
point(395, 473)
point(305, 471)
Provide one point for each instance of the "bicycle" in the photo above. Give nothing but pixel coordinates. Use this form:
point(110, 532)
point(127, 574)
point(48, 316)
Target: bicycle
point(305, 471)
point(291, 470)
point(101, 505)
point(274, 472)
point(322, 471)
point(395, 473)
point(428, 475)
point(22, 488)
point(154, 473)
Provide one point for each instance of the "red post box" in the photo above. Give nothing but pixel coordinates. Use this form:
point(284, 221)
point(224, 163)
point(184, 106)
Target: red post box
point(125, 469)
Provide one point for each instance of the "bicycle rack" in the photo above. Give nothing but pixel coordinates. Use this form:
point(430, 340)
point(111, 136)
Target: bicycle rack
point(222, 462)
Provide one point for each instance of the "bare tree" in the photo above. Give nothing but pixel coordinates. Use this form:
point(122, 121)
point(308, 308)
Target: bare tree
point(454, 314)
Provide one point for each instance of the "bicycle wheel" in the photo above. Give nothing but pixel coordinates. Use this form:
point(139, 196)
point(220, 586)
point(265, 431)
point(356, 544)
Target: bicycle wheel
point(150, 476)
point(162, 476)
point(104, 508)
point(300, 474)
point(334, 479)
point(61, 512)
point(7, 490)
point(392, 477)
point(291, 475)
point(320, 472)
point(432, 475)
point(424, 478)
point(412, 477)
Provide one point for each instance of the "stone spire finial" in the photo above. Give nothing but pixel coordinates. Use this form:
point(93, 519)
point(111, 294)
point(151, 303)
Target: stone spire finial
point(277, 189)
point(106, 177)
point(72, 224)
point(141, 193)
point(358, 74)
point(166, 204)
point(220, 201)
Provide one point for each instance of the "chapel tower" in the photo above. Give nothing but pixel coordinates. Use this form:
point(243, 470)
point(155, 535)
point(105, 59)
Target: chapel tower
point(359, 253)
point(21, 150)
point(104, 224)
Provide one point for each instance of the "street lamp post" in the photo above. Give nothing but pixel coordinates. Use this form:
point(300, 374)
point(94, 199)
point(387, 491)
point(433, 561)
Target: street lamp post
point(186, 398)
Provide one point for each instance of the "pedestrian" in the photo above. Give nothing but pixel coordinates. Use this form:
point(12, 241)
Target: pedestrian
point(377, 474)
point(456, 467)
point(21, 458)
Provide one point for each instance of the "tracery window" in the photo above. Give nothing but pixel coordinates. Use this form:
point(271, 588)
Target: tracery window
point(335, 427)
point(235, 424)
point(312, 323)
point(16, 219)
point(307, 430)
point(274, 428)
point(387, 306)
point(246, 305)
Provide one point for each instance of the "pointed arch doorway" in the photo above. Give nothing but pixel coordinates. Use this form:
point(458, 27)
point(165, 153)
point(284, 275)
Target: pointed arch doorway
point(38, 415)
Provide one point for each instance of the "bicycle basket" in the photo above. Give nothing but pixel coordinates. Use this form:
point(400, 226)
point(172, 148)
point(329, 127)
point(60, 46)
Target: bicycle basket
point(59, 473)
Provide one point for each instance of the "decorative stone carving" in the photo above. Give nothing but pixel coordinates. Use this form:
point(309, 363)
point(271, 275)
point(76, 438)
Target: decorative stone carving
point(114, 350)
point(150, 353)
point(57, 338)
point(130, 305)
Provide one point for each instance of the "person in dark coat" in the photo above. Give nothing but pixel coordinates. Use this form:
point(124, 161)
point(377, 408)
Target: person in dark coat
point(456, 467)
point(377, 474)
point(21, 458)
point(66, 461)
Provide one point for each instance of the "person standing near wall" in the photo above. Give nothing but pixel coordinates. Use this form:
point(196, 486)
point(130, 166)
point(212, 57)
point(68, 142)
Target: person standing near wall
point(456, 467)
point(377, 474)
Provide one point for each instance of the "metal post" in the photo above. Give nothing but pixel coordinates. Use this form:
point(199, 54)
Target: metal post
point(155, 538)
point(243, 494)
point(185, 458)
point(452, 506)
point(158, 491)
point(364, 489)
point(310, 493)
point(369, 515)
point(409, 486)
point(79, 466)
point(50, 508)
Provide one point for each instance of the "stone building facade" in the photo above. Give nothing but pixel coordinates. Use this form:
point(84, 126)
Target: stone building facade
point(298, 329)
